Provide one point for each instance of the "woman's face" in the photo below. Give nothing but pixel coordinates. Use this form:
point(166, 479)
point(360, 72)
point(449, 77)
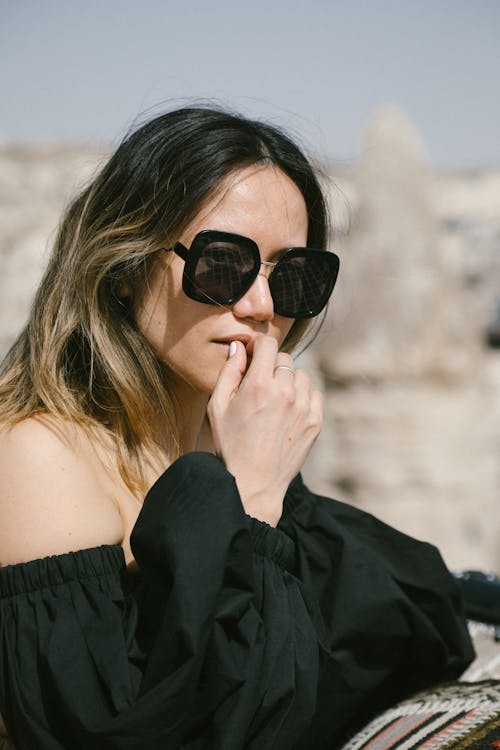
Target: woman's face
point(193, 338)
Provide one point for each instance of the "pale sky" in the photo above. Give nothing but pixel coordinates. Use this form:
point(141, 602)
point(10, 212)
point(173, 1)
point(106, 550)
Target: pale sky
point(83, 70)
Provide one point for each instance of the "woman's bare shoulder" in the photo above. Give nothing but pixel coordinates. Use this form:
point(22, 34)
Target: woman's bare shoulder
point(52, 495)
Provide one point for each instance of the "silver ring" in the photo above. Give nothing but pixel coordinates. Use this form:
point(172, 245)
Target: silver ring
point(285, 367)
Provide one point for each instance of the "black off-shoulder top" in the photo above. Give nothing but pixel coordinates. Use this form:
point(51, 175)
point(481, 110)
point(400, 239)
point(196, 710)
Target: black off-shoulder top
point(234, 634)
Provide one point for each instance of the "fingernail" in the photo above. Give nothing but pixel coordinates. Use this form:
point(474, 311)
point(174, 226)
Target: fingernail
point(232, 348)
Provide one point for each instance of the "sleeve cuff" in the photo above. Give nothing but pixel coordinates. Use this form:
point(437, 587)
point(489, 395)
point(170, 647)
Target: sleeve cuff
point(272, 543)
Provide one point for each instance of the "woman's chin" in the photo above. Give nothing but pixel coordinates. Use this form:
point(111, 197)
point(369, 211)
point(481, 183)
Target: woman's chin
point(206, 380)
point(202, 374)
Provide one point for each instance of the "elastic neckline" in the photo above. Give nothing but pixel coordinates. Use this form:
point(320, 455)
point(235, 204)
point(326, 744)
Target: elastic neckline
point(95, 562)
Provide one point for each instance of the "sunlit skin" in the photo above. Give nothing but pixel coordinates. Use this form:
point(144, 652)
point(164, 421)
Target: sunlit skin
point(193, 338)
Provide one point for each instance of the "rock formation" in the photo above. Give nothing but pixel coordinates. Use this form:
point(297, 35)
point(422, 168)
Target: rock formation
point(407, 380)
point(396, 313)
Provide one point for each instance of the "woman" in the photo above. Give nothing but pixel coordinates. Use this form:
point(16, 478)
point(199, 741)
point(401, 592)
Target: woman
point(231, 608)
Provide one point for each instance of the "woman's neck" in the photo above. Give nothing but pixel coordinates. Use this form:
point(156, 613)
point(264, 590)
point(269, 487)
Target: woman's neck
point(194, 428)
point(205, 438)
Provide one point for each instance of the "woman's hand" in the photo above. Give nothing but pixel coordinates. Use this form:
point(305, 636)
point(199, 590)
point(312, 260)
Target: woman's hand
point(264, 422)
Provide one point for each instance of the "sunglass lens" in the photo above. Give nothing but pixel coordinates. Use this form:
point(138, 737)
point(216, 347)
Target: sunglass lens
point(223, 272)
point(302, 283)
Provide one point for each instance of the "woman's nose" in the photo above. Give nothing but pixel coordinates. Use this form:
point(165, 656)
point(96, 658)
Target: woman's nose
point(257, 302)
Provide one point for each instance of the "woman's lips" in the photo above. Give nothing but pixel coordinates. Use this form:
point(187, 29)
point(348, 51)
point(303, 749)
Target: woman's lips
point(245, 339)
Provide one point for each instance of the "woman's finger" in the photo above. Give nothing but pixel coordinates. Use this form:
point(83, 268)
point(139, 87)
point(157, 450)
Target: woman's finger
point(284, 366)
point(302, 391)
point(231, 374)
point(316, 409)
point(265, 349)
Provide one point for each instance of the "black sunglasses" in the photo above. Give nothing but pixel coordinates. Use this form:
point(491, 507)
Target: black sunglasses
point(221, 267)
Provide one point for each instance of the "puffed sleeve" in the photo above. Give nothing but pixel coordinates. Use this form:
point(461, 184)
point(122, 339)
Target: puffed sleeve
point(214, 648)
point(391, 614)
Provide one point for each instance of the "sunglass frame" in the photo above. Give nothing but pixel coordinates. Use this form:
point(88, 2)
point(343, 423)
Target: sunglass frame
point(192, 256)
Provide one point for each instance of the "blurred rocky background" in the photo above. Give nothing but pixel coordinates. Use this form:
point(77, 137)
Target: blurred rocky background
point(408, 356)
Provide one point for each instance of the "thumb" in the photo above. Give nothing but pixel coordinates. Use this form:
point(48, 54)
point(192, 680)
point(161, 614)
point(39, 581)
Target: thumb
point(232, 372)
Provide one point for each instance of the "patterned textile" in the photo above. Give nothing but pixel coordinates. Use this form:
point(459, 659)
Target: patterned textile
point(455, 716)
point(486, 665)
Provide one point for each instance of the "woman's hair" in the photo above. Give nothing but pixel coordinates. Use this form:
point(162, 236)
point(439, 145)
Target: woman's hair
point(81, 356)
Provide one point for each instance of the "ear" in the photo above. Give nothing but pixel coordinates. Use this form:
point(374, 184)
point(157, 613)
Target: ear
point(122, 293)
